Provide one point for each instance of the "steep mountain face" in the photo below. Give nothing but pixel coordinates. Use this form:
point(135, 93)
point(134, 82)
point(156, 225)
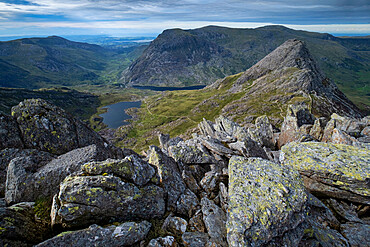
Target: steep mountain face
point(40, 62)
point(199, 56)
point(174, 51)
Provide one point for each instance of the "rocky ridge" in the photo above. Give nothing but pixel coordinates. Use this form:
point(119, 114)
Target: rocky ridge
point(226, 186)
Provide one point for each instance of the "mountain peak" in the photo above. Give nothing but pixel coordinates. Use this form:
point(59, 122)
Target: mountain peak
point(293, 53)
point(291, 70)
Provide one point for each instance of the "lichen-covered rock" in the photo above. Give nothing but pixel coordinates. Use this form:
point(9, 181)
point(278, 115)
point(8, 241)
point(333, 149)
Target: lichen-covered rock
point(168, 241)
point(338, 171)
point(297, 116)
point(263, 132)
point(357, 234)
point(175, 225)
point(132, 168)
point(214, 219)
point(190, 152)
point(8, 154)
point(30, 178)
point(321, 225)
point(169, 174)
point(267, 203)
point(49, 128)
point(20, 227)
point(87, 199)
point(10, 136)
point(195, 239)
point(187, 203)
point(126, 234)
point(340, 137)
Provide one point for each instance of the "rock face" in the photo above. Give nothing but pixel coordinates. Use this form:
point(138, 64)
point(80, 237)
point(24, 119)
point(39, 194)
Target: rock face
point(267, 204)
point(338, 171)
point(103, 196)
point(49, 128)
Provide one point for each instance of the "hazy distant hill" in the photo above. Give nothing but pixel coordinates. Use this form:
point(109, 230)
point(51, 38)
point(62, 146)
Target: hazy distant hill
point(186, 57)
point(40, 62)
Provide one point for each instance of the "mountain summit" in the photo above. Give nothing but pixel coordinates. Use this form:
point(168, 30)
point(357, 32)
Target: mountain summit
point(290, 70)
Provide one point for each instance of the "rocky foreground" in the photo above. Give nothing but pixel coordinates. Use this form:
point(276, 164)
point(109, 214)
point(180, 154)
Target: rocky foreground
point(307, 184)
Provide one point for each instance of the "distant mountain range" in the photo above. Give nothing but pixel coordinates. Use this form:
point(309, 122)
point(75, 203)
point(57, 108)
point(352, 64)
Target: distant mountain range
point(45, 62)
point(200, 56)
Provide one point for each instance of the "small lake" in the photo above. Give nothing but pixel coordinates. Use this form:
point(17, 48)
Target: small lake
point(116, 115)
point(170, 88)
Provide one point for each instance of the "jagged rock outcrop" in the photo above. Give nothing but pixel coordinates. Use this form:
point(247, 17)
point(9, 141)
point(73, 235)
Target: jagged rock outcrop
point(338, 171)
point(267, 204)
point(49, 128)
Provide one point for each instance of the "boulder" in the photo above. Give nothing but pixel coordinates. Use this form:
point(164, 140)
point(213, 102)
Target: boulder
point(131, 168)
point(195, 239)
point(214, 219)
point(340, 137)
point(10, 135)
point(87, 199)
point(49, 128)
point(168, 241)
point(248, 148)
point(187, 203)
point(294, 125)
point(175, 225)
point(267, 204)
point(126, 234)
point(19, 226)
point(338, 171)
point(170, 176)
point(30, 178)
point(318, 127)
point(190, 152)
point(6, 155)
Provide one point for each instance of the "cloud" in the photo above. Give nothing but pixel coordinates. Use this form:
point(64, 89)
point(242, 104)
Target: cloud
point(157, 15)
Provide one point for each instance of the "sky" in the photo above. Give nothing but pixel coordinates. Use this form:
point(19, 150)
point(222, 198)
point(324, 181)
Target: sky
point(129, 18)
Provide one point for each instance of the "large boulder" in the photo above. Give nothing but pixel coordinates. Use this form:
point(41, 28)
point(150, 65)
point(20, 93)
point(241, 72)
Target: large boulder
point(8, 154)
point(338, 171)
point(10, 136)
point(90, 198)
point(170, 176)
point(126, 234)
point(263, 133)
point(267, 204)
point(46, 127)
point(20, 226)
point(31, 178)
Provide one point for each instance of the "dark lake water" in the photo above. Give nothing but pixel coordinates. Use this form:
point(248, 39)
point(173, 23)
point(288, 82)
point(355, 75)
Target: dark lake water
point(116, 115)
point(170, 88)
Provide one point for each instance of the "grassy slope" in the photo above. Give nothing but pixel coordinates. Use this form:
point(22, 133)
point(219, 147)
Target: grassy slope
point(178, 112)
